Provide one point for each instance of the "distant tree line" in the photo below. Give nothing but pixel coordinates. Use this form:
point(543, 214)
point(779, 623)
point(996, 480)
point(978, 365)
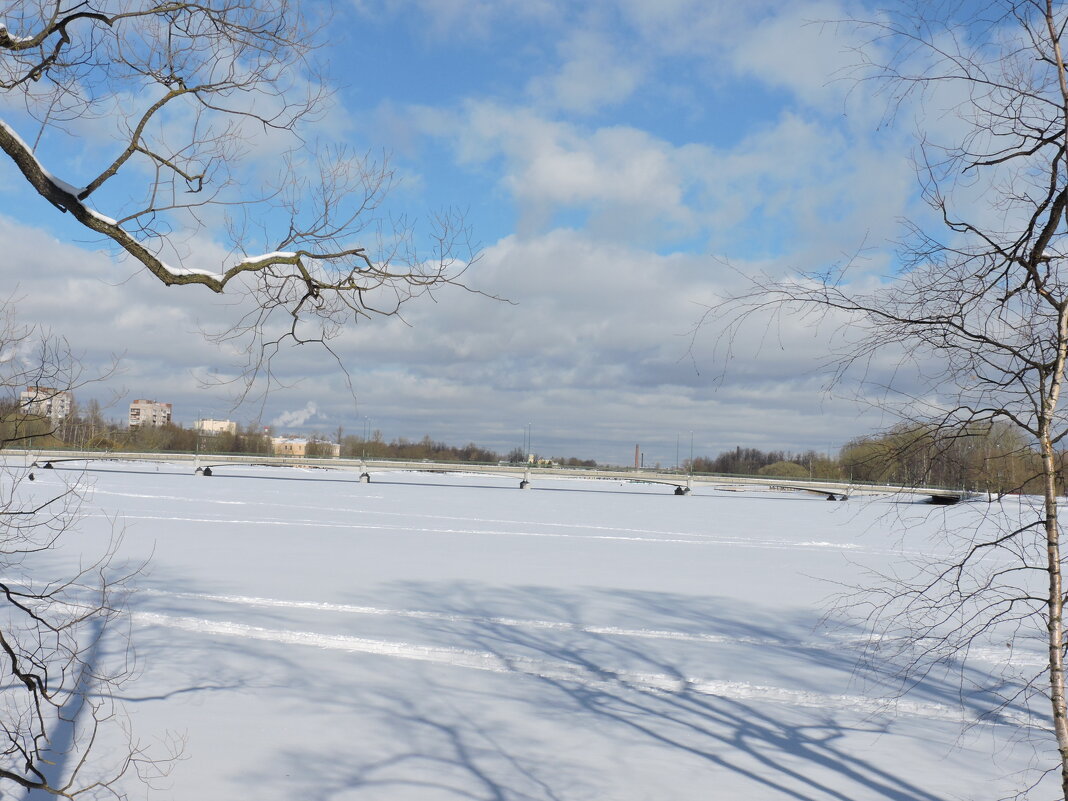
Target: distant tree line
point(375, 447)
point(991, 458)
point(987, 458)
point(87, 429)
point(755, 462)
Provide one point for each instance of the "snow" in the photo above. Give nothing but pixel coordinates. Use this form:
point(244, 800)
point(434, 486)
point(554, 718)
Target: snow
point(218, 276)
point(430, 636)
point(96, 214)
point(14, 135)
point(278, 254)
point(14, 39)
point(58, 183)
point(74, 191)
point(190, 271)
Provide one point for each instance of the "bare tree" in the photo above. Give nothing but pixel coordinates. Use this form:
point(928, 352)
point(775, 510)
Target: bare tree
point(37, 370)
point(193, 121)
point(979, 309)
point(63, 649)
point(62, 655)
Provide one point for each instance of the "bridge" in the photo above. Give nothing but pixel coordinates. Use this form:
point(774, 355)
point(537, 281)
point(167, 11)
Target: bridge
point(681, 483)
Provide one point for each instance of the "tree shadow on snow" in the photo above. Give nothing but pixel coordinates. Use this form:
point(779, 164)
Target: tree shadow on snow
point(618, 668)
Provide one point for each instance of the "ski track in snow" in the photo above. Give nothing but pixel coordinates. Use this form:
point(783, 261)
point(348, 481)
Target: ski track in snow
point(202, 500)
point(833, 642)
point(526, 623)
point(483, 520)
point(559, 671)
point(674, 538)
point(618, 532)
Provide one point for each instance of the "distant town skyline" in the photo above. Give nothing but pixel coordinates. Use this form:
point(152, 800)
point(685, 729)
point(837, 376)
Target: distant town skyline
point(523, 440)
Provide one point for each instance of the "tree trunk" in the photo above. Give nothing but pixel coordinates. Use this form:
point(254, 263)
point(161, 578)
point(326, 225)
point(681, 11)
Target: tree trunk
point(1055, 608)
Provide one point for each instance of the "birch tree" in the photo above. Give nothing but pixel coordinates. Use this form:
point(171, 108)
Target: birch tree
point(978, 305)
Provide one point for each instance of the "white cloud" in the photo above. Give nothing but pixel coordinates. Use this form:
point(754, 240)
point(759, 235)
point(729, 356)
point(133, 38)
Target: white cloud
point(811, 49)
point(800, 185)
point(628, 182)
point(593, 73)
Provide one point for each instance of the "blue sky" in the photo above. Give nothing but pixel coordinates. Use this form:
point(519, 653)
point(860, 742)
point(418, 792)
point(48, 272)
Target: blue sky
point(622, 164)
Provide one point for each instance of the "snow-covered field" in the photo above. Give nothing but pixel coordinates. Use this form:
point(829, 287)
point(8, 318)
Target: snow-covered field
point(431, 636)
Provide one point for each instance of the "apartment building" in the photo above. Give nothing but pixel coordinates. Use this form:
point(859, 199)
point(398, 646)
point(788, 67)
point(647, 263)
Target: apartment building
point(149, 413)
point(55, 404)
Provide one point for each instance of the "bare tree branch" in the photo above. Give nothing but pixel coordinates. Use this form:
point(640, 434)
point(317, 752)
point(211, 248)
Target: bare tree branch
point(210, 105)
